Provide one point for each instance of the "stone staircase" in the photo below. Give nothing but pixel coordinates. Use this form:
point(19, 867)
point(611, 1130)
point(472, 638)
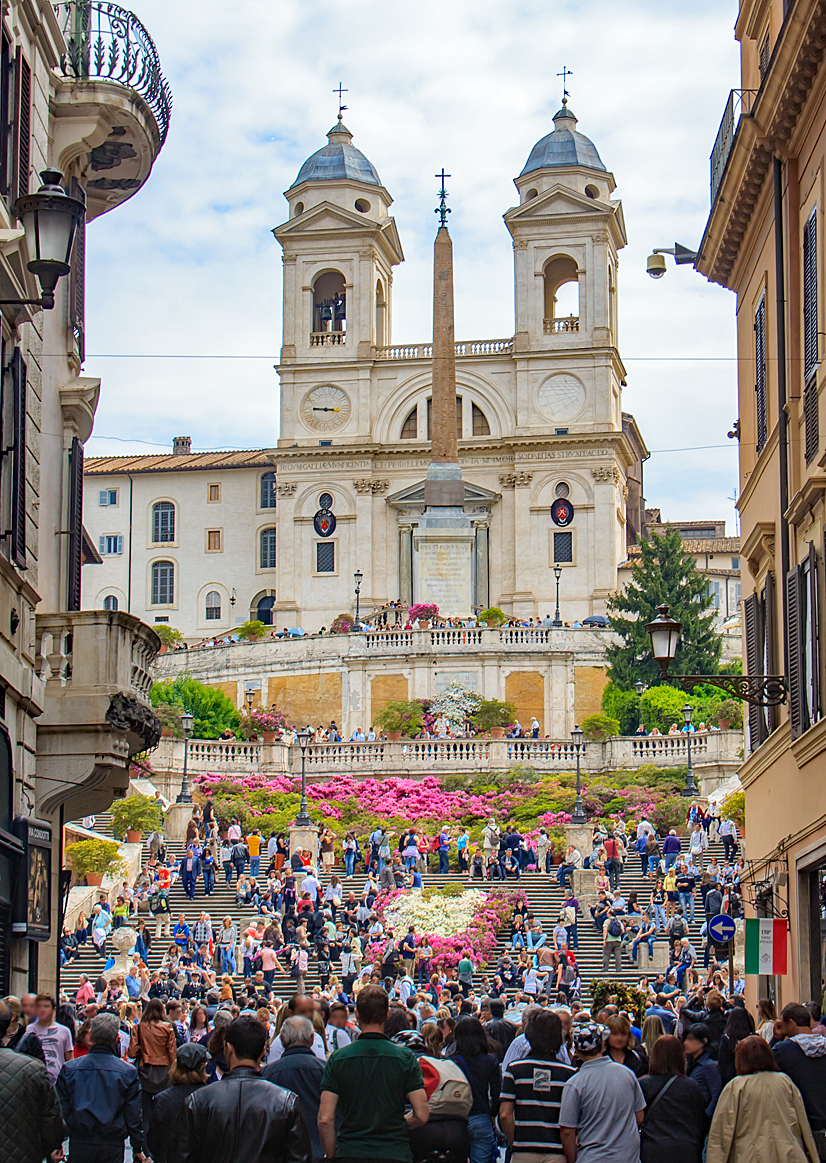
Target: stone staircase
point(544, 895)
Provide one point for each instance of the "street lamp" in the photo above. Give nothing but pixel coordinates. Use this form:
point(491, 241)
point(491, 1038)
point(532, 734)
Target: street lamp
point(664, 633)
point(187, 722)
point(578, 816)
point(250, 697)
point(358, 575)
point(640, 688)
point(50, 219)
point(690, 788)
point(557, 574)
point(303, 819)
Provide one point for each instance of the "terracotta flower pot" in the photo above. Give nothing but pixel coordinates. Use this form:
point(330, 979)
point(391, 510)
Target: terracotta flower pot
point(424, 623)
point(166, 732)
point(163, 648)
point(270, 736)
point(93, 880)
point(133, 837)
point(724, 724)
point(394, 736)
point(497, 732)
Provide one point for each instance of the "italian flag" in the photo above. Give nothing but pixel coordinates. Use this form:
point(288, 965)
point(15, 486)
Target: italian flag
point(766, 946)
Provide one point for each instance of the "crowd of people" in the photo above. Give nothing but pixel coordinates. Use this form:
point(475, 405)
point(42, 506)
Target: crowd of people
point(392, 1077)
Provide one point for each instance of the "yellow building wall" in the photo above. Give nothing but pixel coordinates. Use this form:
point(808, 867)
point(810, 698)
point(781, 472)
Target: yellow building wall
point(387, 688)
point(526, 690)
point(230, 689)
point(307, 698)
point(589, 683)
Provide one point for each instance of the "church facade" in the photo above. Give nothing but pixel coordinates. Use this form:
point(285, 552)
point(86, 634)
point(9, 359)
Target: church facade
point(538, 414)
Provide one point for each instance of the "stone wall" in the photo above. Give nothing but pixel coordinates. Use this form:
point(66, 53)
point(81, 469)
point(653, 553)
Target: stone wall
point(526, 690)
point(590, 682)
point(307, 698)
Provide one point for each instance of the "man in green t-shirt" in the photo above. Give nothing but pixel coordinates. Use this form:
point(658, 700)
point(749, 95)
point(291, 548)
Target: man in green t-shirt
point(370, 1082)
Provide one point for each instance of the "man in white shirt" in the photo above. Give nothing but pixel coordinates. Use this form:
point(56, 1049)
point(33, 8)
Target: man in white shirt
point(299, 1006)
point(234, 831)
point(57, 1042)
point(311, 885)
point(728, 834)
point(337, 1033)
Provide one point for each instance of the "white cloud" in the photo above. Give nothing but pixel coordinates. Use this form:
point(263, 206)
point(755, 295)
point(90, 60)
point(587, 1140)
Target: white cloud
point(188, 266)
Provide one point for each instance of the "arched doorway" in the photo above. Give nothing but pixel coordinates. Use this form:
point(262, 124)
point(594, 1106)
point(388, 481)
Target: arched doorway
point(261, 607)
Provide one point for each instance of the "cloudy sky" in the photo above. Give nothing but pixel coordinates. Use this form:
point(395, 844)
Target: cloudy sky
point(187, 270)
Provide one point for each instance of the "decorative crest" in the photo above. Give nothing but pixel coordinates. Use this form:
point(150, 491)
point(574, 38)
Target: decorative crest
point(341, 91)
point(565, 74)
point(442, 209)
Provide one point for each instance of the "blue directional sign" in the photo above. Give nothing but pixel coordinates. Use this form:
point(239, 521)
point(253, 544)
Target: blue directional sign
point(721, 929)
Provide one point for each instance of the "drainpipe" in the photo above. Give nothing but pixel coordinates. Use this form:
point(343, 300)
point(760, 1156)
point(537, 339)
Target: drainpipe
point(782, 418)
point(129, 563)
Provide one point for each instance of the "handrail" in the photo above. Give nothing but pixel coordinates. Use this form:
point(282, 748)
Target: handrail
point(106, 42)
point(742, 99)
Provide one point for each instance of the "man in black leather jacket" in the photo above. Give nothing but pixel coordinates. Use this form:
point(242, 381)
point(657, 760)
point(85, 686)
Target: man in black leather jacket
point(243, 1118)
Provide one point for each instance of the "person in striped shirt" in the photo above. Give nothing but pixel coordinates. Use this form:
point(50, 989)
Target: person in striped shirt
point(531, 1093)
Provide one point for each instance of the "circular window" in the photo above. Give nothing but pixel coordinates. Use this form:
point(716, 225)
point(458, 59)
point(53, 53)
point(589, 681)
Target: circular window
point(561, 490)
point(592, 191)
point(531, 194)
point(299, 208)
point(325, 501)
point(362, 205)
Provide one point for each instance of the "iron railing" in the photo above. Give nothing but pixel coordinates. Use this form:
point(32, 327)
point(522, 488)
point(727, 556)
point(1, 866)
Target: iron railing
point(105, 42)
point(739, 104)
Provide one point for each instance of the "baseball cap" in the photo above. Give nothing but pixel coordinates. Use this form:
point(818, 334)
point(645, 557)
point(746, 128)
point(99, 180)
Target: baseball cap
point(192, 1055)
point(588, 1036)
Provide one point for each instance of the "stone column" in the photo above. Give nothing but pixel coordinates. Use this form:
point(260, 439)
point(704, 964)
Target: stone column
point(362, 543)
point(406, 564)
point(482, 565)
point(288, 547)
point(523, 598)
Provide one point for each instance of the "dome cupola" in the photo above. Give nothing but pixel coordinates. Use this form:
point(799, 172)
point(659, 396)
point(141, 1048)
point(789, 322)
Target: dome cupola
point(563, 146)
point(338, 160)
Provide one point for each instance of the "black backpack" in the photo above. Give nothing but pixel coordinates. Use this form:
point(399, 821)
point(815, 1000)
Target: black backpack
point(614, 927)
point(678, 927)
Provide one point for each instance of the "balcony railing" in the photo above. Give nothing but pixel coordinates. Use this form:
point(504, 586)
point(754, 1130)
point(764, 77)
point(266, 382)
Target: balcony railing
point(462, 348)
point(328, 338)
point(739, 105)
point(561, 326)
point(105, 42)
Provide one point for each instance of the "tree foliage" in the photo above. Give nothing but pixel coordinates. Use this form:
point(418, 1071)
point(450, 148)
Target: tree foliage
point(213, 712)
point(665, 574)
point(624, 706)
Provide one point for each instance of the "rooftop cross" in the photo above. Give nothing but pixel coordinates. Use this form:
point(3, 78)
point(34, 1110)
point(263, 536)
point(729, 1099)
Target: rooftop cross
point(443, 209)
point(565, 74)
point(341, 91)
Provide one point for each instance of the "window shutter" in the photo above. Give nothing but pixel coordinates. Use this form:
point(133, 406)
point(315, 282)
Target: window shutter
point(77, 276)
point(23, 128)
point(75, 517)
point(794, 647)
point(811, 419)
point(760, 372)
point(18, 484)
point(120, 543)
point(814, 643)
point(769, 634)
point(751, 616)
point(810, 296)
point(103, 497)
point(101, 544)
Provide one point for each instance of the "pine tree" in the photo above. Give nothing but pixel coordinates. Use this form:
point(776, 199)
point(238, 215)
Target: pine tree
point(665, 574)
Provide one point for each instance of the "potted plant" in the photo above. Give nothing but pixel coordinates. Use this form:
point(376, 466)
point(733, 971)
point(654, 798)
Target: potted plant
point(493, 617)
point(94, 859)
point(342, 624)
point(494, 716)
point(268, 724)
point(400, 717)
point(253, 630)
point(168, 635)
point(599, 727)
point(728, 713)
point(424, 612)
point(134, 816)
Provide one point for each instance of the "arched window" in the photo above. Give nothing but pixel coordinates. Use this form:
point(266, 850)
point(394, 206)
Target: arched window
point(410, 428)
point(213, 606)
point(329, 303)
point(561, 295)
point(268, 490)
point(163, 583)
point(480, 422)
point(381, 308)
point(268, 549)
point(110, 602)
point(163, 522)
point(263, 610)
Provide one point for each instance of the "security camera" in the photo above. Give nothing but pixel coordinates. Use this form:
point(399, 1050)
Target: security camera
point(656, 266)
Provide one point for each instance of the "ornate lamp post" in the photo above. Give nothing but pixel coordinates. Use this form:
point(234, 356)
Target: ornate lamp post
point(557, 575)
point(664, 633)
point(358, 575)
point(690, 788)
point(187, 722)
point(303, 820)
point(578, 815)
point(640, 688)
point(50, 219)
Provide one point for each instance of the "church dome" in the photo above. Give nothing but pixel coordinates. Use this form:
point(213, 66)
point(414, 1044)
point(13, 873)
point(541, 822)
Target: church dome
point(563, 147)
point(338, 160)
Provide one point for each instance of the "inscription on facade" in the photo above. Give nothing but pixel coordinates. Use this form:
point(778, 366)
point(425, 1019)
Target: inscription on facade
point(443, 575)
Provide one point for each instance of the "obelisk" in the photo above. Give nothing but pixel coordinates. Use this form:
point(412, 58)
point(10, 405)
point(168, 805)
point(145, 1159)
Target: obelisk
point(444, 537)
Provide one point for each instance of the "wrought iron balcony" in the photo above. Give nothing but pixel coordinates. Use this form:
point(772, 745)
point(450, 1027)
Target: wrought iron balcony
point(739, 105)
point(105, 42)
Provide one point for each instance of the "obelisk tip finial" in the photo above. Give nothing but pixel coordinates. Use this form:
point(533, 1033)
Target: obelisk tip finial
point(442, 209)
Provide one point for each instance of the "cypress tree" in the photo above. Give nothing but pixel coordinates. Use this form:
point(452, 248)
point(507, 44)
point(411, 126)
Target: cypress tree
point(665, 574)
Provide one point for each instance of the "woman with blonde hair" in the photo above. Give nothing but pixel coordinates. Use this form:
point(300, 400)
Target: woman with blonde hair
point(152, 1042)
point(432, 1036)
point(652, 1031)
point(226, 993)
point(321, 1030)
point(766, 1017)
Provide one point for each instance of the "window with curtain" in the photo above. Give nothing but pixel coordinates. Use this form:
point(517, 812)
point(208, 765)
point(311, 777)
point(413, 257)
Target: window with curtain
point(268, 549)
point(163, 522)
point(213, 606)
point(163, 583)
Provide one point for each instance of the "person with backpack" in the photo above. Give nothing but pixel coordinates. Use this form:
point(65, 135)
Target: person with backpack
point(613, 934)
point(676, 927)
point(531, 1092)
point(471, 1050)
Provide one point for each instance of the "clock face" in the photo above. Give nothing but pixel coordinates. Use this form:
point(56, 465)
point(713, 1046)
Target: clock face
point(561, 397)
point(325, 408)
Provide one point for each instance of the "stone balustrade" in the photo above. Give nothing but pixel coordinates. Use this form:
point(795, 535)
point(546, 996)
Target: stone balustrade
point(328, 338)
point(471, 347)
point(565, 326)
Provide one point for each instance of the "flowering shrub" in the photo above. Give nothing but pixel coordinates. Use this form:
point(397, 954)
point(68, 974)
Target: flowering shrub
point(455, 704)
point(260, 720)
point(342, 624)
point(453, 924)
point(422, 610)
